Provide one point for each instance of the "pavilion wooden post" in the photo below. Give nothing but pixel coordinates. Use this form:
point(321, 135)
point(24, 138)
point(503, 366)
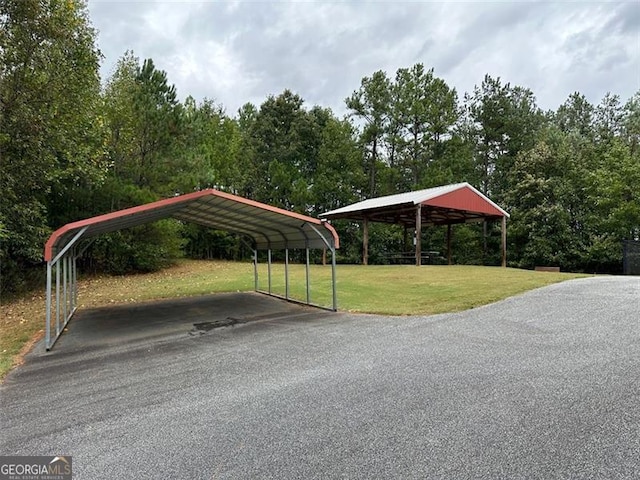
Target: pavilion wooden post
point(504, 241)
point(365, 242)
point(418, 235)
point(449, 243)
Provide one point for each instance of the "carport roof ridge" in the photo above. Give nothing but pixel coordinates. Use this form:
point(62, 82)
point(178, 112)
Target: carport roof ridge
point(268, 226)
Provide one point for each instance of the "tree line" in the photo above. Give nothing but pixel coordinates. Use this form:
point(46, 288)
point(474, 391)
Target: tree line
point(73, 146)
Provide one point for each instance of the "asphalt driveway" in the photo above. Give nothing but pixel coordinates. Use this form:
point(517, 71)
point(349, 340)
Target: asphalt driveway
point(544, 385)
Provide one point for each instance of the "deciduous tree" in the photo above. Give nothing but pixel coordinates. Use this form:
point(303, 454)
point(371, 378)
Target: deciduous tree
point(50, 134)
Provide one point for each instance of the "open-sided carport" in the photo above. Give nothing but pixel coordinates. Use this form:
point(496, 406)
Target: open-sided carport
point(268, 228)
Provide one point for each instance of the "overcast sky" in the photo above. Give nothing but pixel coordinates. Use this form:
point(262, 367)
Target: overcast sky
point(238, 52)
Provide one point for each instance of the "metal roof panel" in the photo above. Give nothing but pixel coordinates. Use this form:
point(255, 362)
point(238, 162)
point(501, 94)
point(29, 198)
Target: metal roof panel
point(397, 201)
point(209, 207)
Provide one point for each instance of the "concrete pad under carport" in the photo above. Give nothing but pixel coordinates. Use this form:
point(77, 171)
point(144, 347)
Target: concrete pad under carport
point(171, 319)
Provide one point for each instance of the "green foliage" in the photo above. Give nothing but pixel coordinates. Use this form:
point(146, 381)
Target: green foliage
point(425, 111)
point(146, 248)
point(614, 191)
point(284, 139)
point(501, 121)
point(466, 244)
point(371, 104)
point(575, 116)
point(298, 159)
point(208, 244)
point(71, 150)
point(339, 178)
point(49, 93)
point(144, 120)
point(540, 222)
point(211, 141)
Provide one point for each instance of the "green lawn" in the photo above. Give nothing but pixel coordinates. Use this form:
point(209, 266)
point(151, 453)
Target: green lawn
point(393, 290)
point(410, 290)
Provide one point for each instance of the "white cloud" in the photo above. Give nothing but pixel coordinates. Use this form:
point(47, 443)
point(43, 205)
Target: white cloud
point(234, 52)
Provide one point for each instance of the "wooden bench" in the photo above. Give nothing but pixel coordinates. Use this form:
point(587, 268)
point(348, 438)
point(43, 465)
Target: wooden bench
point(547, 269)
point(427, 258)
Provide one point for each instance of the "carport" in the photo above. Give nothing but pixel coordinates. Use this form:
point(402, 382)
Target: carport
point(445, 205)
point(267, 228)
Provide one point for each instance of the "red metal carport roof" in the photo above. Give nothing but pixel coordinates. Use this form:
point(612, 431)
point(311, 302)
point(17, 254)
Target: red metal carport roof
point(269, 227)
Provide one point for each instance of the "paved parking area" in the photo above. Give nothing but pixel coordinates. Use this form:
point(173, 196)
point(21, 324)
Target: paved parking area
point(168, 320)
point(544, 385)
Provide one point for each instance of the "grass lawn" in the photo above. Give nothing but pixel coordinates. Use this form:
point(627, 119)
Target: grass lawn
point(393, 290)
point(407, 290)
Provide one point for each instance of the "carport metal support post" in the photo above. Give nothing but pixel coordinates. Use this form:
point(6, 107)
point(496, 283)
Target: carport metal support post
point(66, 286)
point(66, 256)
point(365, 241)
point(286, 273)
point(65, 277)
point(57, 299)
point(307, 273)
point(72, 283)
point(333, 278)
point(269, 268)
point(75, 281)
point(418, 235)
point(504, 241)
point(331, 247)
point(47, 337)
point(255, 270)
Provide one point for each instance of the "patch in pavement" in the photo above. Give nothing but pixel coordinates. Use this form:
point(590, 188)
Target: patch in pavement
point(204, 327)
point(166, 320)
